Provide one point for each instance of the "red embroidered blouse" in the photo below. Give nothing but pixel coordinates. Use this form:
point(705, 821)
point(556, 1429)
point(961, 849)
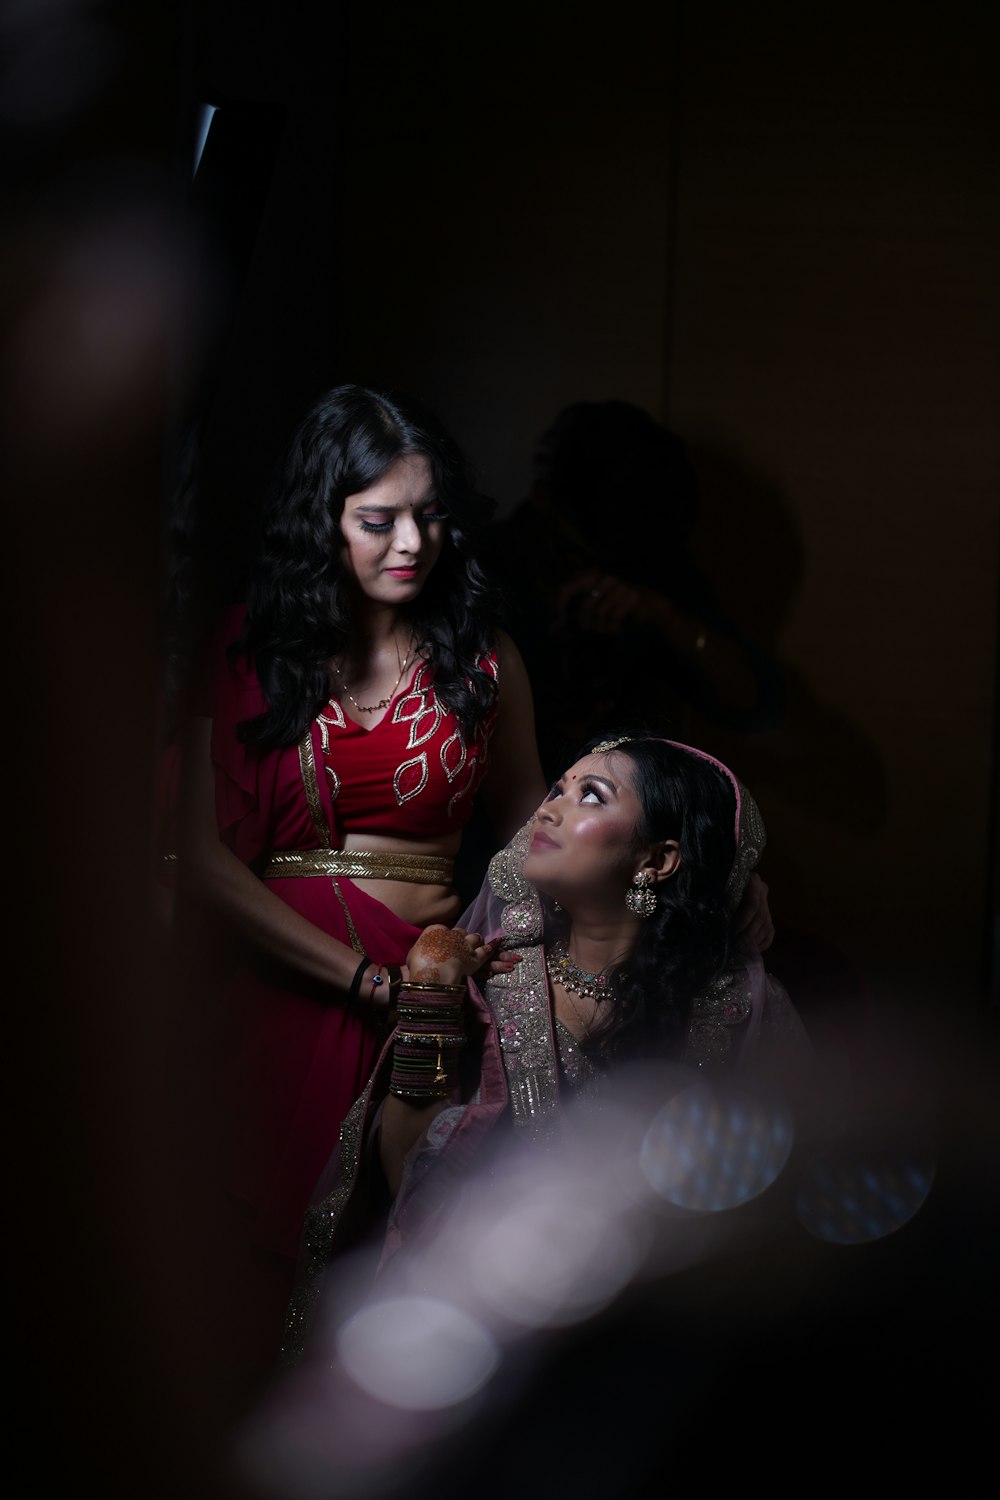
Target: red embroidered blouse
point(412, 773)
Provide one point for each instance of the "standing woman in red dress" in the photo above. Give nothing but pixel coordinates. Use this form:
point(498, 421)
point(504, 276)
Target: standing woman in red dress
point(352, 711)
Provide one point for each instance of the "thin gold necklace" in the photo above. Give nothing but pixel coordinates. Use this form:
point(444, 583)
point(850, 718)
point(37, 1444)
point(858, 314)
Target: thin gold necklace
point(372, 708)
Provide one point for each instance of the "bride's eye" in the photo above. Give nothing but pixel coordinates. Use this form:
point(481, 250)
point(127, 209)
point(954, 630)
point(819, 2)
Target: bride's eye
point(553, 791)
point(589, 793)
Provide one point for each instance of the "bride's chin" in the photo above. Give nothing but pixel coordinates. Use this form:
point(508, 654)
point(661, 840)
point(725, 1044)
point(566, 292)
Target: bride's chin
point(542, 889)
point(536, 878)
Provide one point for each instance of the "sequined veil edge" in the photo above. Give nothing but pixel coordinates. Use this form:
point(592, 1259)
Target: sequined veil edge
point(321, 1224)
point(519, 1001)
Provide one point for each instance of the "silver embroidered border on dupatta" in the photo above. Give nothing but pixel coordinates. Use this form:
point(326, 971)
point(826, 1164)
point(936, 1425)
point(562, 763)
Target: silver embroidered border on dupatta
point(519, 1001)
point(321, 1224)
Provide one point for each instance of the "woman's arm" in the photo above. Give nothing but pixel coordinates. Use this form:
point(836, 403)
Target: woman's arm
point(400, 1127)
point(218, 877)
point(441, 957)
point(514, 784)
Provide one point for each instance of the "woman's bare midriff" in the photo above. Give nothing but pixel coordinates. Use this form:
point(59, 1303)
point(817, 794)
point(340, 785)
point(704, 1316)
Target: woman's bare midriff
point(417, 903)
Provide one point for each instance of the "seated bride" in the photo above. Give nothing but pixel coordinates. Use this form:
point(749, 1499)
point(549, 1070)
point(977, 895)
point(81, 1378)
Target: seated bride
point(603, 934)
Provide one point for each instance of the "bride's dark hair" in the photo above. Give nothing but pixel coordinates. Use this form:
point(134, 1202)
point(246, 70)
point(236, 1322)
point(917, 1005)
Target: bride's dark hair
point(686, 942)
point(298, 612)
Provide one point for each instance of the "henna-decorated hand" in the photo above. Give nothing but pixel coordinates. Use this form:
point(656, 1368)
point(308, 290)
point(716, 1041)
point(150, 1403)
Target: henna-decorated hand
point(447, 955)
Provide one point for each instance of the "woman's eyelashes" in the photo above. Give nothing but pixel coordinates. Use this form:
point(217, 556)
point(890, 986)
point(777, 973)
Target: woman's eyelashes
point(425, 518)
point(588, 792)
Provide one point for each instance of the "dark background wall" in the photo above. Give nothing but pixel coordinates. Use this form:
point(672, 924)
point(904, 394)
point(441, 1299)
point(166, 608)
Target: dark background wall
point(776, 229)
point(773, 227)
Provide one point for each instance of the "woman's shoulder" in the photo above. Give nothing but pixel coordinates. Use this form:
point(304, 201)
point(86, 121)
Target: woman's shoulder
point(222, 629)
point(507, 655)
point(225, 673)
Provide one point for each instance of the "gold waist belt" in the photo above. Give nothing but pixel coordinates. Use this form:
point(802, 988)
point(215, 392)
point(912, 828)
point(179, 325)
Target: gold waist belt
point(361, 864)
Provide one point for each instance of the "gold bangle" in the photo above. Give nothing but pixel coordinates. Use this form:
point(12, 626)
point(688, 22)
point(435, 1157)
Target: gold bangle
point(431, 989)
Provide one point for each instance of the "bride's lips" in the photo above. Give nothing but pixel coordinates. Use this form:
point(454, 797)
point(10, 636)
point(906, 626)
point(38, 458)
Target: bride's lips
point(405, 573)
point(540, 840)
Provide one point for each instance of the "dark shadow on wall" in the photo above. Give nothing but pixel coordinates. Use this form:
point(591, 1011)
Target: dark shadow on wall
point(648, 582)
point(816, 767)
point(816, 758)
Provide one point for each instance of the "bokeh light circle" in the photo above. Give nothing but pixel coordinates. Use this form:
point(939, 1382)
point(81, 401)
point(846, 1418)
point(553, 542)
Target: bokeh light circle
point(554, 1259)
point(418, 1353)
point(853, 1197)
point(708, 1150)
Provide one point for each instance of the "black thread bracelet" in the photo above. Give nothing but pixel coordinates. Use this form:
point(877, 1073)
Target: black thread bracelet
point(352, 993)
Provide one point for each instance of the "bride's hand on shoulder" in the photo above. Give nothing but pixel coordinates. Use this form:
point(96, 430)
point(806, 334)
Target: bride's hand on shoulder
point(447, 955)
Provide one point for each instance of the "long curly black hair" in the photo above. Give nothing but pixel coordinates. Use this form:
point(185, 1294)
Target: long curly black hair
point(686, 942)
point(298, 609)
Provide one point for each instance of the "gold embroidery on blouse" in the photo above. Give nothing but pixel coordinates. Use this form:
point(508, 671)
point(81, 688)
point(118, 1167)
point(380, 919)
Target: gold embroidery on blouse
point(418, 763)
point(307, 766)
point(456, 740)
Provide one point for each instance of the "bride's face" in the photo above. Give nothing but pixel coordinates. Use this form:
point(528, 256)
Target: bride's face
point(585, 839)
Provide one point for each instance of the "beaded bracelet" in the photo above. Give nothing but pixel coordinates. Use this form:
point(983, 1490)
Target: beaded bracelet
point(395, 974)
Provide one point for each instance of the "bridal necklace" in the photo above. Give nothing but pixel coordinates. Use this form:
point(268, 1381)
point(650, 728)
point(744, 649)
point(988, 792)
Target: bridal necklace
point(574, 980)
point(372, 708)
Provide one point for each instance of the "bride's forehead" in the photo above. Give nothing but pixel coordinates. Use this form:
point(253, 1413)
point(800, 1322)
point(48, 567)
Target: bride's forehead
point(608, 765)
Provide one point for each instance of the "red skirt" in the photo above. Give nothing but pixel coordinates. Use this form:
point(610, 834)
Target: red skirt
point(300, 1058)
